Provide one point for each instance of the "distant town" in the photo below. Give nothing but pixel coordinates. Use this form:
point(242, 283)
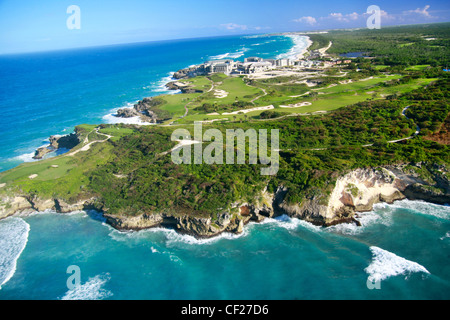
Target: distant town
point(252, 65)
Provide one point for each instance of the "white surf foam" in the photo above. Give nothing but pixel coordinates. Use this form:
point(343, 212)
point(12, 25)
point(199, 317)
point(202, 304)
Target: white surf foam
point(288, 223)
point(301, 44)
point(91, 290)
point(261, 43)
point(160, 85)
point(13, 240)
point(383, 213)
point(230, 55)
point(111, 117)
point(447, 235)
point(174, 238)
point(421, 207)
point(386, 264)
point(26, 157)
point(366, 219)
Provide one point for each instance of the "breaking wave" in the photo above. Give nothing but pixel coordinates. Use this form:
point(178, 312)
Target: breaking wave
point(91, 290)
point(230, 55)
point(301, 44)
point(386, 264)
point(14, 239)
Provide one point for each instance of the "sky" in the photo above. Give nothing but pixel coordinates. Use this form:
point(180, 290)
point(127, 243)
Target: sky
point(41, 25)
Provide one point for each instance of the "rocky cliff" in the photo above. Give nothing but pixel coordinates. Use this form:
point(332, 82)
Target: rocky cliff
point(359, 190)
point(11, 205)
point(353, 192)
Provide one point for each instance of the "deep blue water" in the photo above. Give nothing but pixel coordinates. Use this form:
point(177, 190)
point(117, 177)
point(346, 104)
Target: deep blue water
point(42, 94)
point(404, 248)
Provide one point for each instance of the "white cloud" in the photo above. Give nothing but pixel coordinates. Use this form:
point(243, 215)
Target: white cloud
point(308, 20)
point(234, 26)
point(421, 12)
point(262, 28)
point(410, 16)
point(343, 17)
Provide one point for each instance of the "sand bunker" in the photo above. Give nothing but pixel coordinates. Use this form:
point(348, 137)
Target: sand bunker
point(220, 93)
point(297, 105)
point(250, 110)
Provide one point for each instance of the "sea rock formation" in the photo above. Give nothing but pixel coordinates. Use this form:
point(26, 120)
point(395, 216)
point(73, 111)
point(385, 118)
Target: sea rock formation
point(186, 73)
point(146, 110)
point(183, 87)
point(57, 142)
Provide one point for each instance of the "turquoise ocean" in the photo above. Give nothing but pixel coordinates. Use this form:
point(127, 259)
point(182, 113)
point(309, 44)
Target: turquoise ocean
point(401, 251)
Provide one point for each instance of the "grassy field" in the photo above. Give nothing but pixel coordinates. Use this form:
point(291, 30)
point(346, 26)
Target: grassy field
point(198, 83)
point(61, 176)
point(234, 89)
point(68, 169)
point(418, 67)
point(330, 98)
point(64, 175)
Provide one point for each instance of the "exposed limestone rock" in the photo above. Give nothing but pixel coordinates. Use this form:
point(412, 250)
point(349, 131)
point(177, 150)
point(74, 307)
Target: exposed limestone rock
point(57, 142)
point(146, 110)
point(42, 151)
point(14, 205)
point(353, 192)
point(127, 113)
point(143, 221)
point(360, 189)
point(64, 207)
point(43, 204)
point(184, 88)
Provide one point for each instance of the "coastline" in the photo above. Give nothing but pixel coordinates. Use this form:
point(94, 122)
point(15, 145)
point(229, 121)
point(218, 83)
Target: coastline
point(340, 208)
point(296, 53)
point(355, 192)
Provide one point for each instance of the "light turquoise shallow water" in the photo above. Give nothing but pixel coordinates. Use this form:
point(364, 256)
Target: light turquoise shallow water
point(405, 245)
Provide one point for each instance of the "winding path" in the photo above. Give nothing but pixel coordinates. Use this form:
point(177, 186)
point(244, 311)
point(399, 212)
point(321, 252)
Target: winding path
point(87, 145)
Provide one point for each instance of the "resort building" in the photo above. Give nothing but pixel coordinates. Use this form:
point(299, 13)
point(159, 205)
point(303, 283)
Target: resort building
point(249, 66)
point(283, 62)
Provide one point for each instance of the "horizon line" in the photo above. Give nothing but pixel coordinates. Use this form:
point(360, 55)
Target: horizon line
point(203, 37)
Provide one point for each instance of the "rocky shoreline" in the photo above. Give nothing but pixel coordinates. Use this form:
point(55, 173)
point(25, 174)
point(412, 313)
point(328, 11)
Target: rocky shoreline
point(57, 142)
point(146, 110)
point(356, 191)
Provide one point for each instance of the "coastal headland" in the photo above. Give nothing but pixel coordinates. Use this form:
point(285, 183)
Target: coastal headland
point(354, 132)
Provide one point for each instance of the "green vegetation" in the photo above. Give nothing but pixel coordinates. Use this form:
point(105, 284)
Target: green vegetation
point(396, 46)
point(348, 119)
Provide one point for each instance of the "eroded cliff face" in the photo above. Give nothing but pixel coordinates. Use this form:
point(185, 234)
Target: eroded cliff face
point(356, 191)
point(359, 190)
point(12, 205)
